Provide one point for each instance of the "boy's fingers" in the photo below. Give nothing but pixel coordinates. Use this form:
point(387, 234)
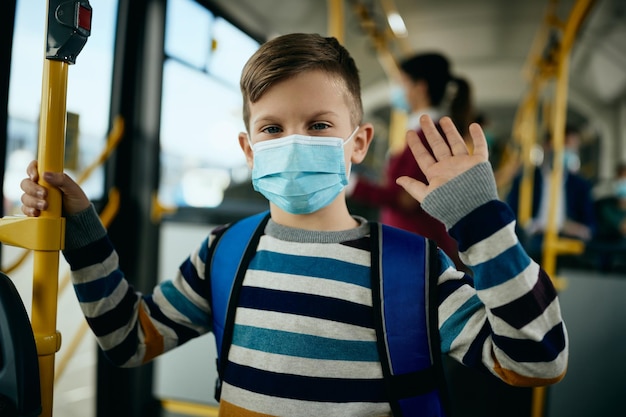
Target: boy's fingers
point(31, 171)
point(455, 140)
point(480, 141)
point(423, 158)
point(32, 188)
point(415, 188)
point(30, 212)
point(437, 144)
point(32, 206)
point(56, 179)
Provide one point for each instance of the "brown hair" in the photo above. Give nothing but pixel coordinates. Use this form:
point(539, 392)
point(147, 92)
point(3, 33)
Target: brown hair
point(288, 55)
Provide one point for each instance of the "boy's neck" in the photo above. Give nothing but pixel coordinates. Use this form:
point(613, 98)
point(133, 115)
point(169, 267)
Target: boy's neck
point(332, 218)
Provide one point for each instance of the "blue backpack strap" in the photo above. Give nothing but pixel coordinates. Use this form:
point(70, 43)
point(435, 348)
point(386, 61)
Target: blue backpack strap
point(234, 249)
point(408, 339)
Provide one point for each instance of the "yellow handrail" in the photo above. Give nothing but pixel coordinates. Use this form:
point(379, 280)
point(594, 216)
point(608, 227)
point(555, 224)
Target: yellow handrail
point(381, 39)
point(46, 263)
point(553, 245)
point(538, 69)
point(113, 140)
point(336, 25)
point(189, 409)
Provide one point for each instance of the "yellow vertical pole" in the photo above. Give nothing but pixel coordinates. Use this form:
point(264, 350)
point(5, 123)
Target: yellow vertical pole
point(527, 136)
point(67, 28)
point(46, 263)
point(336, 26)
point(550, 252)
point(553, 245)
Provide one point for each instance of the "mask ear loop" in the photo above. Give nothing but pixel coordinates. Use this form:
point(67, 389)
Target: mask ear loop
point(351, 135)
point(349, 169)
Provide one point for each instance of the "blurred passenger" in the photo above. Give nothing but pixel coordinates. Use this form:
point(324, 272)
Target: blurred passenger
point(428, 88)
point(612, 216)
point(575, 215)
point(611, 210)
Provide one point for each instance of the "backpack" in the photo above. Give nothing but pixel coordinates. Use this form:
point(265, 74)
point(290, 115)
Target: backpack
point(415, 383)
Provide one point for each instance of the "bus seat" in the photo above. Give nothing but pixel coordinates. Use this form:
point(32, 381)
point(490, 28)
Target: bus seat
point(20, 394)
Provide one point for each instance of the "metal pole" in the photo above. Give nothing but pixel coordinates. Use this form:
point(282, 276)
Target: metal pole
point(553, 244)
point(68, 26)
point(46, 263)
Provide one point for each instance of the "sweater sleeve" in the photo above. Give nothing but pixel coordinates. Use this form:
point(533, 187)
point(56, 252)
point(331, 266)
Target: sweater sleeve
point(507, 317)
point(130, 327)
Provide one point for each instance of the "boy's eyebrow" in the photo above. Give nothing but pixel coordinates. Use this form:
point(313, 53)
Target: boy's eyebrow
point(322, 114)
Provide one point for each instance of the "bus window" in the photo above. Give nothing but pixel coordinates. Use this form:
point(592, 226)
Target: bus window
point(201, 112)
point(88, 97)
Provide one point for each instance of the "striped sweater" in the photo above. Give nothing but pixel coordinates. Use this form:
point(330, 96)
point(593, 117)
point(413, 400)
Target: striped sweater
point(304, 341)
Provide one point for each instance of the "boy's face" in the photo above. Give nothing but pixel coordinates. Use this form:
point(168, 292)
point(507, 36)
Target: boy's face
point(313, 103)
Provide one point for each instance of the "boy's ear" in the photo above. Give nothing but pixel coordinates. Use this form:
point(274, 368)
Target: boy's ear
point(362, 139)
point(246, 148)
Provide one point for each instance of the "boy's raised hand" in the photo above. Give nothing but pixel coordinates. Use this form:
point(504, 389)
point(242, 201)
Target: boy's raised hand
point(448, 161)
point(34, 199)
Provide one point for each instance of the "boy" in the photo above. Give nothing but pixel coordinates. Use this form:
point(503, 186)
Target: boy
point(304, 341)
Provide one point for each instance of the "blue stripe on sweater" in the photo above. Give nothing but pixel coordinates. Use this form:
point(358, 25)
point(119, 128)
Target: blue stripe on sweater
point(305, 388)
point(481, 223)
point(444, 261)
point(98, 289)
point(474, 355)
point(94, 253)
point(523, 350)
point(183, 333)
point(453, 326)
point(204, 250)
point(502, 268)
point(533, 304)
point(123, 351)
point(308, 305)
point(184, 305)
point(190, 274)
point(312, 266)
point(447, 288)
point(303, 345)
point(116, 318)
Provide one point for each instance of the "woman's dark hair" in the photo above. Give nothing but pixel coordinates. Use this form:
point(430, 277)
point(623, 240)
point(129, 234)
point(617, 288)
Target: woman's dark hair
point(434, 69)
point(461, 109)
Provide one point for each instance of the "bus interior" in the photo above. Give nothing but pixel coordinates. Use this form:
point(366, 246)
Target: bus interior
point(153, 109)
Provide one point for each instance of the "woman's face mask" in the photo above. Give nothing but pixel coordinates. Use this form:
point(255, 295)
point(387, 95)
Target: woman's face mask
point(300, 174)
point(398, 99)
point(620, 188)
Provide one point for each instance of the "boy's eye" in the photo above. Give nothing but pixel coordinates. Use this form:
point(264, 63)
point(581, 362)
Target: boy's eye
point(319, 126)
point(271, 130)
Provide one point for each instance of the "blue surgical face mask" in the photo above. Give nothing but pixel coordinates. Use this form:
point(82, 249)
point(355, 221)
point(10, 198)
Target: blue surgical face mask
point(571, 161)
point(300, 174)
point(398, 99)
point(620, 188)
